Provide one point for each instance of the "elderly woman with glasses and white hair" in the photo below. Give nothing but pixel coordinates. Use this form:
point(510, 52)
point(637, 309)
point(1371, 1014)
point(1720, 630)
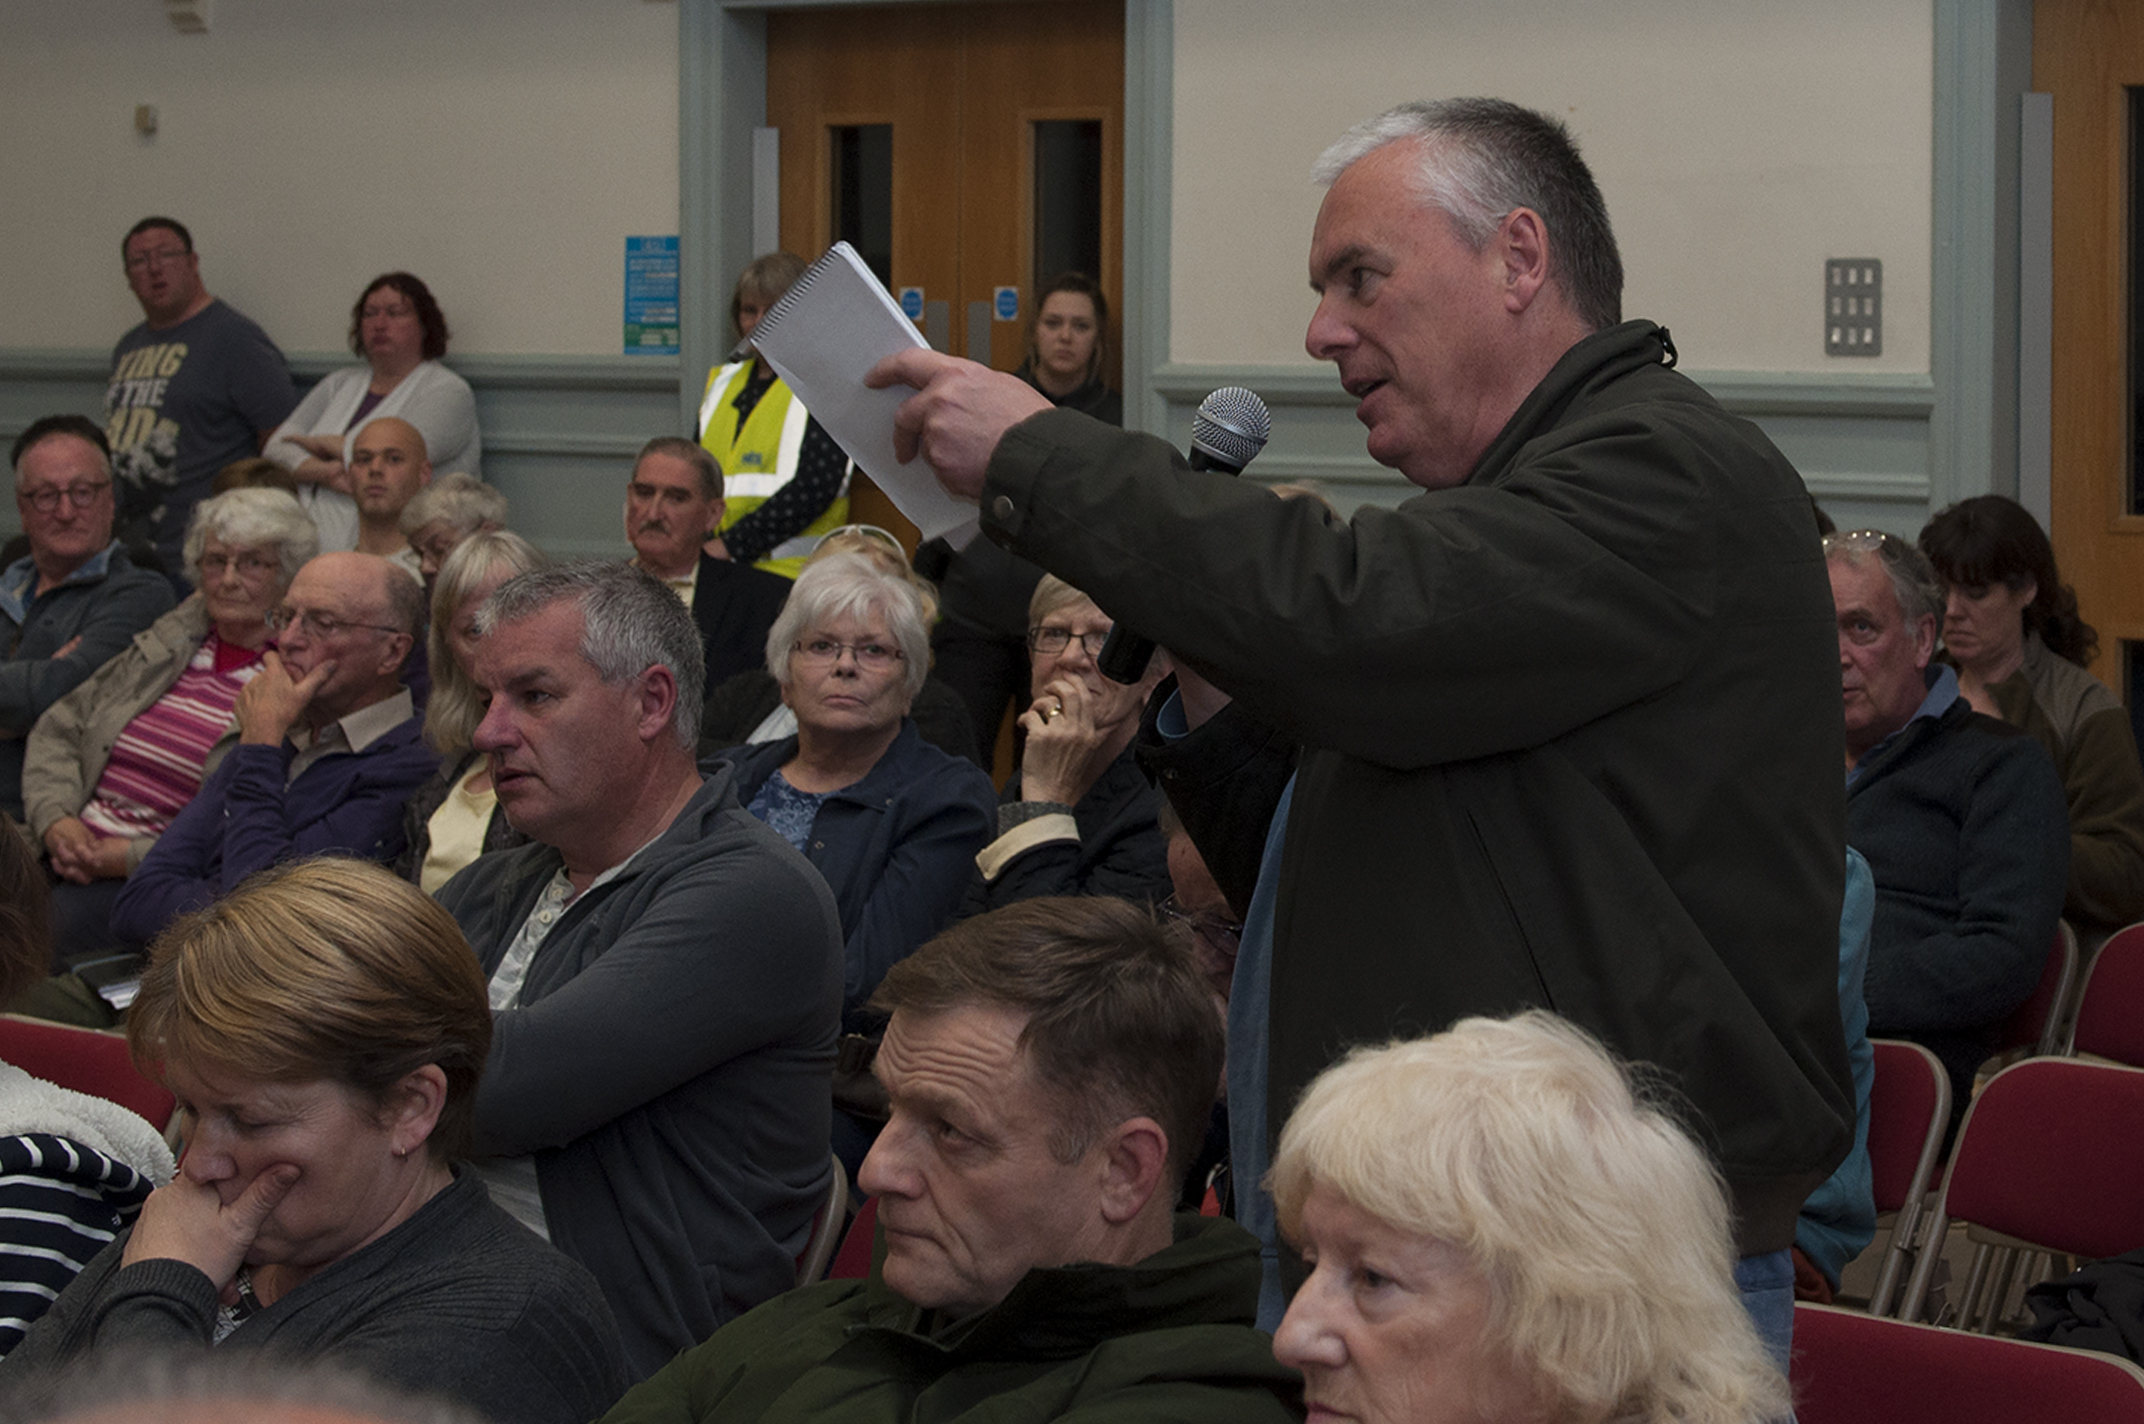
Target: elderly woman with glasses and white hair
point(109, 765)
point(892, 822)
point(1499, 1229)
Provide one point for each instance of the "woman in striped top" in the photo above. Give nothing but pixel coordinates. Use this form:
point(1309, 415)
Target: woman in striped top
point(109, 765)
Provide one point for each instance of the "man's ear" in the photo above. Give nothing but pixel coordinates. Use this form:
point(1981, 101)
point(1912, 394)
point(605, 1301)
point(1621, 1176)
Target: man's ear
point(658, 699)
point(399, 646)
point(1135, 1158)
point(1924, 640)
point(1522, 242)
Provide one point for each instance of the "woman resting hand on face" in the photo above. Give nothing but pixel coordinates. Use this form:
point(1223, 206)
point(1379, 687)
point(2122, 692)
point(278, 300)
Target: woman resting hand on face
point(324, 1027)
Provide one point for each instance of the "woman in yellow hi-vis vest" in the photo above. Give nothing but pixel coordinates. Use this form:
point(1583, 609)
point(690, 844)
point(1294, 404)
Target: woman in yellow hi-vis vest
point(785, 481)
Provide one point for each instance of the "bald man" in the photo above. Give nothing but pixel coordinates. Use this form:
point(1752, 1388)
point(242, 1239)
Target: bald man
point(388, 465)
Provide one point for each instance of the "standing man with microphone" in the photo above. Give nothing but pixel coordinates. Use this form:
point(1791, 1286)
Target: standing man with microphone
point(1569, 716)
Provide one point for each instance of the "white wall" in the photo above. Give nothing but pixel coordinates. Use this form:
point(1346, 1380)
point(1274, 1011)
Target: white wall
point(1738, 147)
point(502, 152)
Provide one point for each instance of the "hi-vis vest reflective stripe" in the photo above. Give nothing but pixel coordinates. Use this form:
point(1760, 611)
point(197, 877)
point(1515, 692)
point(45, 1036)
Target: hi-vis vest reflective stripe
point(761, 457)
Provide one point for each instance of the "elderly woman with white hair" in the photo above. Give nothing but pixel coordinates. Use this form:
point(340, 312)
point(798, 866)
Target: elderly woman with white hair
point(1498, 1229)
point(108, 766)
point(892, 822)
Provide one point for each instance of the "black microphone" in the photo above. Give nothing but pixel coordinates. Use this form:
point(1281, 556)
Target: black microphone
point(1231, 427)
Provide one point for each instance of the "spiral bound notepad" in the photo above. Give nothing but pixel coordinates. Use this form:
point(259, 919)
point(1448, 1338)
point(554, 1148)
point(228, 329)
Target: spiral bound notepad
point(826, 332)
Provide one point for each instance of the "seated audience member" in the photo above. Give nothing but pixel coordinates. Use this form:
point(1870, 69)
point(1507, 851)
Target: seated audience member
point(1078, 818)
point(112, 762)
point(400, 331)
point(456, 816)
point(1838, 1220)
point(73, 1168)
point(747, 709)
point(1497, 1229)
point(329, 747)
point(388, 466)
point(1050, 1067)
point(2011, 626)
point(892, 822)
point(69, 605)
point(1959, 815)
point(672, 502)
point(665, 971)
point(447, 511)
point(254, 472)
point(324, 1028)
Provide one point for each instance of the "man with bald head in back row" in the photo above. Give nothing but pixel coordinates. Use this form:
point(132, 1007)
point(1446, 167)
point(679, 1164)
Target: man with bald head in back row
point(388, 465)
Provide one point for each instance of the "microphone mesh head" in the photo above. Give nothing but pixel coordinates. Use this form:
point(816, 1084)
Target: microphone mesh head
point(1232, 424)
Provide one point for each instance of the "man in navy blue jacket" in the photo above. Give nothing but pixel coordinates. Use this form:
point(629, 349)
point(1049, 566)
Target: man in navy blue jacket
point(1960, 815)
point(329, 747)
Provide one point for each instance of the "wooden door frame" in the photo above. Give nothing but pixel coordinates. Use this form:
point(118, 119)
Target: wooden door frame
point(722, 97)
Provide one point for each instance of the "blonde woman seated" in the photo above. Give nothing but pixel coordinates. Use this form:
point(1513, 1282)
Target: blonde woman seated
point(1498, 1231)
point(324, 1027)
point(108, 766)
point(455, 817)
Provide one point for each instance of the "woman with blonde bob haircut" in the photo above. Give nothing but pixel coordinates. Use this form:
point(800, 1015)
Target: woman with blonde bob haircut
point(1499, 1229)
point(324, 1027)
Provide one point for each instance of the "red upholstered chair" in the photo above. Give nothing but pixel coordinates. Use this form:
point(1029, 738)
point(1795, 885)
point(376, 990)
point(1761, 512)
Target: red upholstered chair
point(853, 1261)
point(2110, 1016)
point(2036, 1025)
point(1909, 1106)
point(2050, 1158)
point(1851, 1368)
point(87, 1060)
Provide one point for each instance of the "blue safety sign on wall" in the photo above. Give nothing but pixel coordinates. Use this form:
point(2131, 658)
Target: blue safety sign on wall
point(651, 296)
point(1007, 303)
point(912, 303)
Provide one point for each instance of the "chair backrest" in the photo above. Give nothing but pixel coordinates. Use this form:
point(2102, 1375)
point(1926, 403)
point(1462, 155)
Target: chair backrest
point(87, 1060)
point(853, 1261)
point(826, 1228)
point(2110, 1015)
point(1851, 1368)
point(1909, 1106)
point(2036, 1024)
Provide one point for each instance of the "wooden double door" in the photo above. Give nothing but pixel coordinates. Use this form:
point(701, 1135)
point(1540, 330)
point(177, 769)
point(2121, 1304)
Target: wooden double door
point(969, 151)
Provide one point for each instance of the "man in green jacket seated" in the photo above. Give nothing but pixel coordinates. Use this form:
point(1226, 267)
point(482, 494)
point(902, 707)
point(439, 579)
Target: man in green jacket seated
point(1051, 1068)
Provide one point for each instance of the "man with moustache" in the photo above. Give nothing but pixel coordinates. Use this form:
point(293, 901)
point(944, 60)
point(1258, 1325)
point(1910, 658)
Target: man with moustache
point(672, 503)
point(329, 747)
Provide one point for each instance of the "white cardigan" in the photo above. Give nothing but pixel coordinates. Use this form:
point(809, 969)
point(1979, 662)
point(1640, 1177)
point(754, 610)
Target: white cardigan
point(432, 398)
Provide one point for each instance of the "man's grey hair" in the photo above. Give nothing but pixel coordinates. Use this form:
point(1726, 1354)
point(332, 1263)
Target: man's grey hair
point(630, 622)
point(1482, 158)
point(850, 585)
point(1914, 580)
point(407, 609)
point(459, 499)
point(677, 447)
point(254, 518)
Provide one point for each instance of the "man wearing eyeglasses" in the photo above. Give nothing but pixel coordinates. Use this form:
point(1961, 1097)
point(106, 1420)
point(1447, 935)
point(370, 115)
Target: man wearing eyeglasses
point(195, 386)
point(328, 750)
point(75, 599)
point(673, 502)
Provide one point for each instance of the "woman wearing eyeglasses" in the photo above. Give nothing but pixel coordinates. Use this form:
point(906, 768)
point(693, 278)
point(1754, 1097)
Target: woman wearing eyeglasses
point(108, 766)
point(1078, 818)
point(892, 822)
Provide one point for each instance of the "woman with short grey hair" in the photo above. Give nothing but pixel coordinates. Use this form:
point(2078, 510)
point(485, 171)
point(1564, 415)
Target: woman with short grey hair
point(108, 766)
point(892, 822)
